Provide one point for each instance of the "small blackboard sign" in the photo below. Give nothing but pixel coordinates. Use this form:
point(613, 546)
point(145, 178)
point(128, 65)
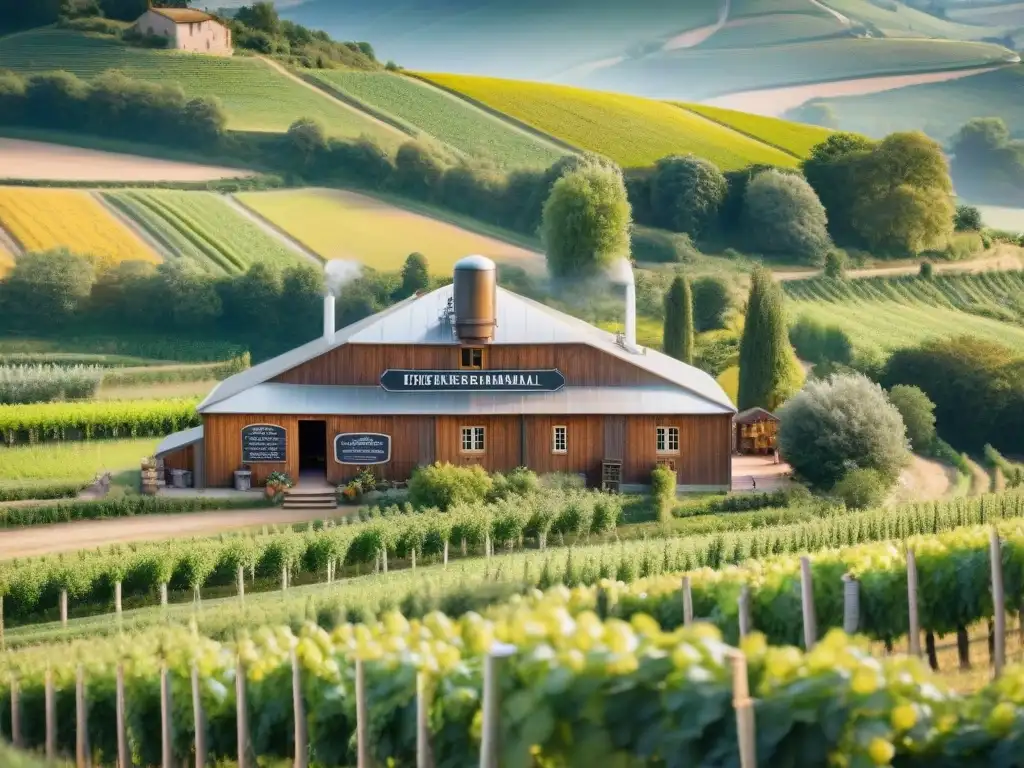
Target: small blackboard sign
point(362, 448)
point(264, 444)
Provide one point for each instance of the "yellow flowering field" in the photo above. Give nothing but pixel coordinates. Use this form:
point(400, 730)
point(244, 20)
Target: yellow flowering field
point(630, 130)
point(41, 219)
point(6, 261)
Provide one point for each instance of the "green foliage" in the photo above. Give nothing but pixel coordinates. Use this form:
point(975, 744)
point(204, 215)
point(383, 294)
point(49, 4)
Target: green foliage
point(519, 482)
point(843, 423)
point(1013, 472)
point(712, 302)
point(819, 343)
point(926, 271)
point(769, 371)
point(39, 490)
point(686, 194)
point(43, 383)
point(415, 275)
point(443, 486)
point(93, 420)
point(783, 216)
point(832, 170)
point(835, 264)
point(656, 246)
point(57, 281)
point(126, 506)
point(586, 222)
point(861, 488)
point(918, 413)
point(663, 492)
point(967, 219)
point(987, 165)
point(678, 336)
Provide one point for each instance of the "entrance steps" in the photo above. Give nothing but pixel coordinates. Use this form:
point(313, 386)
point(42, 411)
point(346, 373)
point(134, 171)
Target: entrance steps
point(296, 498)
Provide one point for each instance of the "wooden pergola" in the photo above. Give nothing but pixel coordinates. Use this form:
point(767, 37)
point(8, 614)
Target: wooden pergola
point(755, 431)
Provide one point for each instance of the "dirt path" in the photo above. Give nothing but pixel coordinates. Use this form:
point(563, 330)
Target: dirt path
point(845, 21)
point(36, 160)
point(924, 480)
point(695, 37)
point(774, 102)
point(1003, 259)
point(272, 230)
point(87, 534)
point(324, 95)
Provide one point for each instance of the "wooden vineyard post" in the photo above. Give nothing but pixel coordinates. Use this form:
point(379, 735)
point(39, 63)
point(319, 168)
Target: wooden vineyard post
point(163, 595)
point(362, 718)
point(167, 748)
point(241, 716)
point(81, 722)
point(851, 604)
point(744, 707)
point(64, 609)
point(241, 584)
point(687, 602)
point(51, 718)
point(446, 554)
point(807, 601)
point(299, 711)
point(198, 719)
point(999, 604)
point(413, 558)
point(490, 746)
point(123, 758)
point(424, 754)
point(117, 601)
point(16, 715)
point(914, 622)
point(744, 609)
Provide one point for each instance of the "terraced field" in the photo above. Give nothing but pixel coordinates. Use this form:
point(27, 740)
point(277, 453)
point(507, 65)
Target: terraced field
point(450, 120)
point(939, 109)
point(256, 96)
point(41, 219)
point(697, 74)
point(202, 228)
point(630, 130)
point(796, 138)
point(774, 29)
point(882, 314)
point(352, 227)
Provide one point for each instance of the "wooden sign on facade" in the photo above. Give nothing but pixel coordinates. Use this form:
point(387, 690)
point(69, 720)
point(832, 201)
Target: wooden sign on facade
point(402, 380)
point(264, 444)
point(362, 448)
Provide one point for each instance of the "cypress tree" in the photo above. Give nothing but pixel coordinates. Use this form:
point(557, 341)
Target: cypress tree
point(769, 371)
point(678, 337)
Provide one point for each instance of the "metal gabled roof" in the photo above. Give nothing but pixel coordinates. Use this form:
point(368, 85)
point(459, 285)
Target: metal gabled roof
point(329, 400)
point(421, 320)
point(178, 440)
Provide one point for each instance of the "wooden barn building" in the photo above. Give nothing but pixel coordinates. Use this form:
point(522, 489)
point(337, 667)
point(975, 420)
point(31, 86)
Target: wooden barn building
point(469, 374)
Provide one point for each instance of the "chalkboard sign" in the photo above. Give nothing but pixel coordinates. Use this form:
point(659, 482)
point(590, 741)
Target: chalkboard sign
point(264, 444)
point(399, 380)
point(362, 448)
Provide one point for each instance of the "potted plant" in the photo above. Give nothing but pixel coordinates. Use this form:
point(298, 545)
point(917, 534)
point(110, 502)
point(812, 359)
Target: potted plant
point(350, 492)
point(278, 483)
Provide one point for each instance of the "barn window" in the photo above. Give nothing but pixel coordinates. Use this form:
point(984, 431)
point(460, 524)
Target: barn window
point(473, 439)
point(668, 440)
point(559, 439)
point(472, 358)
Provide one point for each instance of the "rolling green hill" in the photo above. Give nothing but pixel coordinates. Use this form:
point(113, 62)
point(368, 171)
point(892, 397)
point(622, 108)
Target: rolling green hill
point(256, 96)
point(939, 109)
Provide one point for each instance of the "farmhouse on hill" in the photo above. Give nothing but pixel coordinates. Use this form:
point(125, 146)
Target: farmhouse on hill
point(469, 373)
point(187, 30)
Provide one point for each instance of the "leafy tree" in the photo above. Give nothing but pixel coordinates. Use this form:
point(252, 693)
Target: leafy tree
point(586, 221)
point(711, 303)
point(678, 341)
point(308, 141)
point(261, 16)
point(300, 309)
point(189, 296)
point(840, 424)
point(769, 371)
point(783, 215)
point(686, 194)
point(124, 10)
point(832, 171)
point(415, 276)
point(814, 113)
point(967, 219)
point(418, 170)
point(46, 289)
point(918, 414)
point(835, 264)
point(818, 343)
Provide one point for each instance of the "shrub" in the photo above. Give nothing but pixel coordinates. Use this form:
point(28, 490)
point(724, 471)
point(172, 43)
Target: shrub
point(655, 246)
point(663, 492)
point(835, 264)
point(840, 424)
point(818, 343)
point(687, 194)
point(967, 219)
point(561, 481)
point(918, 414)
point(926, 271)
point(769, 371)
point(444, 485)
point(862, 488)
point(519, 482)
point(711, 303)
point(784, 216)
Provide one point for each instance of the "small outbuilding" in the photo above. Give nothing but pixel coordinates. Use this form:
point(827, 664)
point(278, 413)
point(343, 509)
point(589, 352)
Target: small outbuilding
point(756, 431)
point(187, 29)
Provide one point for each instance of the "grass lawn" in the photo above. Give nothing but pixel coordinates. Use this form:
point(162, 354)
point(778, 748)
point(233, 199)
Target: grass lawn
point(346, 225)
point(255, 96)
point(160, 391)
point(71, 461)
point(632, 131)
point(447, 118)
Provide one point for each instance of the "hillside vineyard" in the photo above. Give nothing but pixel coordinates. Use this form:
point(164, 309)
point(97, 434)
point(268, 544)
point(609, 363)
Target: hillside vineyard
point(468, 374)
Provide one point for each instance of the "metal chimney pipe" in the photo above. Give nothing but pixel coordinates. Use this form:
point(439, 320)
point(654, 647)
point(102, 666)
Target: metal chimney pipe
point(630, 316)
point(329, 318)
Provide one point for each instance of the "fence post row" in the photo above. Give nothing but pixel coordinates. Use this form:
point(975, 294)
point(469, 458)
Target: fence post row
point(998, 604)
point(744, 707)
point(299, 712)
point(807, 602)
point(744, 609)
point(687, 602)
point(914, 623)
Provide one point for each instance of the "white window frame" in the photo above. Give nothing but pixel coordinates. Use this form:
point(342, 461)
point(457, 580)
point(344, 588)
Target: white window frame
point(476, 436)
point(565, 439)
point(664, 438)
